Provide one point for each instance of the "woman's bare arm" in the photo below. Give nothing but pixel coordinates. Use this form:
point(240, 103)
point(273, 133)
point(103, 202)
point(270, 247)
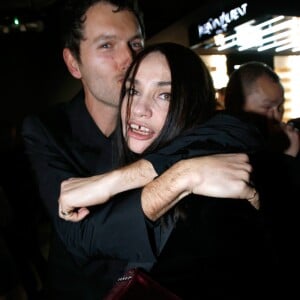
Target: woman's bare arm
point(221, 175)
point(79, 193)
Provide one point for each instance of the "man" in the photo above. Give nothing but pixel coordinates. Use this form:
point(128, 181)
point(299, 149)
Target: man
point(256, 88)
point(76, 140)
point(255, 91)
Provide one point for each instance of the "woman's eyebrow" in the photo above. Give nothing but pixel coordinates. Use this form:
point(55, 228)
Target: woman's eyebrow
point(163, 83)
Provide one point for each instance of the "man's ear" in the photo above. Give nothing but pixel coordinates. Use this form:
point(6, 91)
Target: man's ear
point(71, 63)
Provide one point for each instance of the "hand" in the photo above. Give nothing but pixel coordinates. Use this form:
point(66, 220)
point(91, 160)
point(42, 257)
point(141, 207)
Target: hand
point(73, 215)
point(294, 138)
point(222, 176)
point(79, 193)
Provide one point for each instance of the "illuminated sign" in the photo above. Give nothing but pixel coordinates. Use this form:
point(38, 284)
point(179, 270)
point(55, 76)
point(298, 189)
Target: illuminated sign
point(220, 24)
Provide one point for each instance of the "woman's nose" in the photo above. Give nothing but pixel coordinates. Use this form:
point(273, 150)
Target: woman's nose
point(140, 108)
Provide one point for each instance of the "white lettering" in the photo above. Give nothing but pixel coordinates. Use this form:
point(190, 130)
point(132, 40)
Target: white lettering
point(221, 23)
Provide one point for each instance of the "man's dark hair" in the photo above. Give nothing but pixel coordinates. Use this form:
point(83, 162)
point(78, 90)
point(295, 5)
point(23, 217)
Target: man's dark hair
point(73, 18)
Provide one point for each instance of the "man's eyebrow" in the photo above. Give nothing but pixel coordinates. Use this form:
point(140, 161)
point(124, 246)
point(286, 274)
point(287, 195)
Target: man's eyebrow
point(104, 37)
point(137, 36)
point(107, 37)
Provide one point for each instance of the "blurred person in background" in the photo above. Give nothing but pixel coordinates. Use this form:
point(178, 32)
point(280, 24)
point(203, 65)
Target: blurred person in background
point(254, 87)
point(220, 97)
point(254, 92)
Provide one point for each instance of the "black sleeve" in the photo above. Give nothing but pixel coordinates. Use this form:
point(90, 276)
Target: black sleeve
point(222, 134)
point(49, 163)
point(116, 229)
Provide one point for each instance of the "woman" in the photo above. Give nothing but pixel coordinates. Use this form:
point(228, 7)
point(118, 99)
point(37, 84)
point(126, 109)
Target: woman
point(192, 104)
point(166, 102)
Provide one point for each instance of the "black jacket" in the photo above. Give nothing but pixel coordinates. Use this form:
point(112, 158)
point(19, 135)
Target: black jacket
point(215, 242)
point(62, 143)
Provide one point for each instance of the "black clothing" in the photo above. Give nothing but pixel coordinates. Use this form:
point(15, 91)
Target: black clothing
point(22, 216)
point(221, 134)
point(219, 250)
point(273, 252)
point(222, 244)
point(62, 143)
point(223, 247)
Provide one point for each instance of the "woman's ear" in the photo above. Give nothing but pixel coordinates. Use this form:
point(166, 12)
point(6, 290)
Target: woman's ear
point(71, 63)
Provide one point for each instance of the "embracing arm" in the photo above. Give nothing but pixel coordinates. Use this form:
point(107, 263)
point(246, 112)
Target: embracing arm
point(112, 227)
point(223, 175)
point(109, 229)
point(188, 165)
point(79, 193)
point(197, 175)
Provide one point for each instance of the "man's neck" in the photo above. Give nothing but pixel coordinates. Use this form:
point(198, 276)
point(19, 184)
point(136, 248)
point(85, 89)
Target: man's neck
point(105, 116)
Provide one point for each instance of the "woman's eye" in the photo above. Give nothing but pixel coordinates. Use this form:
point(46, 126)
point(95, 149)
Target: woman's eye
point(131, 91)
point(165, 96)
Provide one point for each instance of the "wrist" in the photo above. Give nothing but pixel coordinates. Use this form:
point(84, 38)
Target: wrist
point(165, 191)
point(185, 178)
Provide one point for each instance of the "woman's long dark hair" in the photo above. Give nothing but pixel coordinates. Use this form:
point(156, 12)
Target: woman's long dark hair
point(192, 96)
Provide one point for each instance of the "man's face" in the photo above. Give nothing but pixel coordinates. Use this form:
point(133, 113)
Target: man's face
point(266, 98)
point(110, 40)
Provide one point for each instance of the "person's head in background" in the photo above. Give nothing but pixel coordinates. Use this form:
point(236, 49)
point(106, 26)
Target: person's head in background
point(220, 97)
point(100, 39)
point(255, 87)
point(161, 97)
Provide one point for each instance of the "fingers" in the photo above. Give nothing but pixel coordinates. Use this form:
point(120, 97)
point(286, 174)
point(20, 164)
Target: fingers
point(231, 178)
point(65, 213)
point(248, 191)
point(243, 170)
point(290, 127)
point(238, 161)
point(74, 216)
point(238, 165)
point(244, 190)
point(254, 199)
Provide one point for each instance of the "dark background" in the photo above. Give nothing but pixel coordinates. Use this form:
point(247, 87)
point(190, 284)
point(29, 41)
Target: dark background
point(157, 13)
point(32, 70)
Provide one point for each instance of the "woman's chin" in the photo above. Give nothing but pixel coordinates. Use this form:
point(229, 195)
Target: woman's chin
point(138, 147)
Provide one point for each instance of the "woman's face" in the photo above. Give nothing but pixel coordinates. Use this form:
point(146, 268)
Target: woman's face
point(151, 96)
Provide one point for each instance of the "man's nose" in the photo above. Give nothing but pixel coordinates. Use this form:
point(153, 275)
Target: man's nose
point(126, 56)
point(273, 113)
